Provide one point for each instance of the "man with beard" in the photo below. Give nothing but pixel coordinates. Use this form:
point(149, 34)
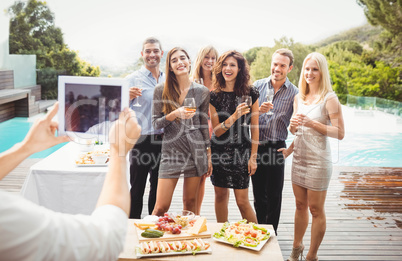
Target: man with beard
point(145, 157)
point(268, 179)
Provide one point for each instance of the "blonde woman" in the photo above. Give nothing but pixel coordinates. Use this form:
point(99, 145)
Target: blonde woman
point(317, 115)
point(185, 150)
point(203, 66)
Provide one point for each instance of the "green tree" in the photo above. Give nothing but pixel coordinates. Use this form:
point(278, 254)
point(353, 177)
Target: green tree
point(387, 13)
point(32, 31)
point(261, 67)
point(251, 54)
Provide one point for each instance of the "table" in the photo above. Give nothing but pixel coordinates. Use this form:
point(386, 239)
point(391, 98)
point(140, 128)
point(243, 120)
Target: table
point(58, 184)
point(220, 251)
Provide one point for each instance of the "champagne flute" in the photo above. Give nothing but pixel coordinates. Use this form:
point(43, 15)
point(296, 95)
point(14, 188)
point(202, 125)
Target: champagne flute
point(270, 98)
point(189, 106)
point(138, 84)
point(247, 100)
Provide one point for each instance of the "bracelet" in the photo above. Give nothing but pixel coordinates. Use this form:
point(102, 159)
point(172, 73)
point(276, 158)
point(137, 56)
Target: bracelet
point(223, 126)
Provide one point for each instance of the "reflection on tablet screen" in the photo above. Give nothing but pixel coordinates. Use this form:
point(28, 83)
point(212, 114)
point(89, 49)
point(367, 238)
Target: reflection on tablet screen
point(91, 108)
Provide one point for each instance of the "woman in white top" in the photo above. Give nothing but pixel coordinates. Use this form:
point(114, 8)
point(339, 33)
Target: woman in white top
point(317, 115)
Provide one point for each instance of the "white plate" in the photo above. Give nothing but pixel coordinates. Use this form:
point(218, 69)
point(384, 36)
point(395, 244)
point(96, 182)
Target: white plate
point(257, 248)
point(92, 165)
point(140, 255)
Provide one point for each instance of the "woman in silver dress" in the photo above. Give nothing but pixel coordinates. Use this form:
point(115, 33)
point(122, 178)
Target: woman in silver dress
point(185, 150)
point(317, 115)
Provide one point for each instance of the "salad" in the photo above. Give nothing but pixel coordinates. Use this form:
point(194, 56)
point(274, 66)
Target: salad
point(242, 234)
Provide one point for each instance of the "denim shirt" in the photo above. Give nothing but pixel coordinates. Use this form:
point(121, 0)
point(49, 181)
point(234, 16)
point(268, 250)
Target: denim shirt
point(144, 113)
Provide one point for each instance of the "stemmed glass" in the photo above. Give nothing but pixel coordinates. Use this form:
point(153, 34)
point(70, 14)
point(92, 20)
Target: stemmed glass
point(270, 98)
point(247, 100)
point(138, 84)
point(189, 105)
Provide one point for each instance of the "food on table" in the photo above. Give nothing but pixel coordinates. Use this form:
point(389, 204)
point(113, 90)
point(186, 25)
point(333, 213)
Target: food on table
point(193, 246)
point(242, 234)
point(152, 233)
point(199, 226)
point(182, 218)
point(167, 224)
point(144, 226)
point(88, 157)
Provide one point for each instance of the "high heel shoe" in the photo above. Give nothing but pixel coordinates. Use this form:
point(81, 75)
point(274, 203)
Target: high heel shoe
point(296, 253)
point(315, 259)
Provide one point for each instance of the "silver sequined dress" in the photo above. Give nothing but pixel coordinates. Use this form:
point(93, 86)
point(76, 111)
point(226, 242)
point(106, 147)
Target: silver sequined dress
point(312, 161)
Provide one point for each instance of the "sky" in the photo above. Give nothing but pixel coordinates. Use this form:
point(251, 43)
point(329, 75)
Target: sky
point(111, 32)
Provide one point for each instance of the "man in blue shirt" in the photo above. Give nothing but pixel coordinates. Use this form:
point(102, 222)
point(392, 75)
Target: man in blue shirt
point(268, 179)
point(145, 157)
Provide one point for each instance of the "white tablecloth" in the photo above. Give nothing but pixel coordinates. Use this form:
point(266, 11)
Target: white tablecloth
point(58, 184)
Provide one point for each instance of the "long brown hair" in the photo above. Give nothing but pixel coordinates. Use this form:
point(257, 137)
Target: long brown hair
point(171, 91)
point(242, 84)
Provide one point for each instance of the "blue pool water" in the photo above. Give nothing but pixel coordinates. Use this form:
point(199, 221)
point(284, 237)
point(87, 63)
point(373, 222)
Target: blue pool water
point(380, 149)
point(14, 130)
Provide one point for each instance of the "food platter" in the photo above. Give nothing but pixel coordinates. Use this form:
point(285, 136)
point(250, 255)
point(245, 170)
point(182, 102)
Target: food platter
point(170, 252)
point(95, 158)
point(139, 255)
point(244, 235)
point(184, 234)
point(257, 248)
point(169, 237)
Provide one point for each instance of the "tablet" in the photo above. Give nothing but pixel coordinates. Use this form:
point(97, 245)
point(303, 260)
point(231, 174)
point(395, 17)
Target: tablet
point(88, 106)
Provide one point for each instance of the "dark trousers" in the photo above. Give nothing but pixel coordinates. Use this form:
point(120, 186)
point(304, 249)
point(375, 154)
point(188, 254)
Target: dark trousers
point(268, 183)
point(144, 159)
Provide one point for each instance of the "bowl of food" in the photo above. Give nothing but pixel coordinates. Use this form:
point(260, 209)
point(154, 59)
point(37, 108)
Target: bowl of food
point(100, 158)
point(182, 217)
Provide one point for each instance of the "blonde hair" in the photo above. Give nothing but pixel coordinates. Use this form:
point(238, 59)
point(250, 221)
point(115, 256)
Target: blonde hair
point(325, 80)
point(197, 70)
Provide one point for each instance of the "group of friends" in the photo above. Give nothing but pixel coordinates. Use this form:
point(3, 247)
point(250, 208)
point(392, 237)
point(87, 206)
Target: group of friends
point(234, 140)
point(232, 133)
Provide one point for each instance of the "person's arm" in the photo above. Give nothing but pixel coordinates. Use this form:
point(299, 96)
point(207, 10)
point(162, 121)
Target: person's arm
point(40, 137)
point(337, 130)
point(123, 135)
point(252, 164)
point(287, 151)
point(159, 120)
point(241, 109)
point(294, 122)
point(203, 114)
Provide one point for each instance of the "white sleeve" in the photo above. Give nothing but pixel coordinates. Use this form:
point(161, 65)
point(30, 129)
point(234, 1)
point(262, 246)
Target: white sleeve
point(31, 232)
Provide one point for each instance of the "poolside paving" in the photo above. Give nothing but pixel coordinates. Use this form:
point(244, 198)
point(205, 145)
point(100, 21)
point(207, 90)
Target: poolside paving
point(363, 207)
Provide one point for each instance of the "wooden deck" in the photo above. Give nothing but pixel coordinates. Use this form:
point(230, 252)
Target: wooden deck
point(364, 212)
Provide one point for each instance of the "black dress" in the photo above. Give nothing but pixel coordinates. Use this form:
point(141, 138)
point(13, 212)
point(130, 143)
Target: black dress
point(231, 151)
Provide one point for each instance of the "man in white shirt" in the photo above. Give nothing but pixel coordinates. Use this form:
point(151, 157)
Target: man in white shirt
point(32, 232)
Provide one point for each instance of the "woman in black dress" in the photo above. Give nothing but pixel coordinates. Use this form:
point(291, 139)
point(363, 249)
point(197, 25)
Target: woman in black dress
point(233, 152)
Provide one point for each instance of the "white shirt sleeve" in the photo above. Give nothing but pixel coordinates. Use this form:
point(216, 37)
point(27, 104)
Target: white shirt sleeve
point(31, 232)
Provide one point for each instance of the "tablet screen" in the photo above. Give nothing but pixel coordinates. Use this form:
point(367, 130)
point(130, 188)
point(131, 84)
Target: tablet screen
point(90, 106)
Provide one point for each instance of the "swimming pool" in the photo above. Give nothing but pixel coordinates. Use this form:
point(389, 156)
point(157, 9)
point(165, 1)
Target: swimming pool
point(374, 141)
point(14, 131)
point(365, 150)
